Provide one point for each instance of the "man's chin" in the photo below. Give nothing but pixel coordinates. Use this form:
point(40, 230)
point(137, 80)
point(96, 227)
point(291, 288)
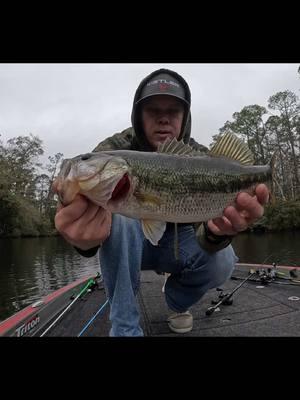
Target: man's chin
point(161, 138)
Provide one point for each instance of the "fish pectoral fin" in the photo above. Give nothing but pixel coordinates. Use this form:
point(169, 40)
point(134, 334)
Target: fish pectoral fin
point(153, 230)
point(146, 198)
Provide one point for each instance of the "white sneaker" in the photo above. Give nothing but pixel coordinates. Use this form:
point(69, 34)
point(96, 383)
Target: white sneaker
point(180, 322)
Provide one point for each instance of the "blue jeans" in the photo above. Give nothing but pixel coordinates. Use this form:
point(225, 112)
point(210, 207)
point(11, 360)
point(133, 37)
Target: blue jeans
point(127, 251)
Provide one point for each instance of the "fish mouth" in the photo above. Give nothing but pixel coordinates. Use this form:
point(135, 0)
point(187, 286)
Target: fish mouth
point(121, 190)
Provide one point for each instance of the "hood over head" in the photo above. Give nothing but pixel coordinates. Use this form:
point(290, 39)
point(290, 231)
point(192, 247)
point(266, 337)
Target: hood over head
point(161, 82)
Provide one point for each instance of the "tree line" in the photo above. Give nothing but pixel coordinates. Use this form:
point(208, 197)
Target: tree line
point(273, 131)
point(28, 205)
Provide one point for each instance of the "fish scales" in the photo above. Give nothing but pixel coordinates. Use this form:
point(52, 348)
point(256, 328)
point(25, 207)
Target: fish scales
point(190, 188)
point(158, 187)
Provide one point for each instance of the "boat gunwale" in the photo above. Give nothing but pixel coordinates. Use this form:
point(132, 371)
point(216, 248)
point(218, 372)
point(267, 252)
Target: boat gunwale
point(10, 326)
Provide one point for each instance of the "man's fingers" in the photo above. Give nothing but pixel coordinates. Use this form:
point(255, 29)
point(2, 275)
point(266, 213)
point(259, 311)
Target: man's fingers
point(262, 194)
point(245, 211)
point(238, 222)
point(101, 223)
point(103, 215)
point(93, 221)
point(249, 206)
point(217, 226)
point(221, 226)
point(71, 212)
point(91, 212)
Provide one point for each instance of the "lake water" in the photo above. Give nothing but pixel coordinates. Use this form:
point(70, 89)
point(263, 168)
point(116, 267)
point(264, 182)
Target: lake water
point(33, 267)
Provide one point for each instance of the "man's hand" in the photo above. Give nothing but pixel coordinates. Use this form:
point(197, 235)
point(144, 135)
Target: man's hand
point(246, 210)
point(82, 223)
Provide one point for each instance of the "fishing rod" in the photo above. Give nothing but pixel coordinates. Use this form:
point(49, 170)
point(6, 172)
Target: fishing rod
point(226, 298)
point(273, 275)
point(90, 282)
point(264, 279)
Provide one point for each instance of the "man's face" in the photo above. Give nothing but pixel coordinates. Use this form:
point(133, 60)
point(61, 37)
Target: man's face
point(162, 117)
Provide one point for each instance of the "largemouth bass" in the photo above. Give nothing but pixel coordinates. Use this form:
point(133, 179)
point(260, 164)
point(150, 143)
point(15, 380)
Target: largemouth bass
point(174, 184)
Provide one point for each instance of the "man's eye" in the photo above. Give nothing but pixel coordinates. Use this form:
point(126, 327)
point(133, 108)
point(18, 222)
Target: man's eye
point(157, 111)
point(150, 110)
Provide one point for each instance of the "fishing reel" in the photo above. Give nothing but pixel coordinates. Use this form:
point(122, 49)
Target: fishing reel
point(226, 302)
point(226, 298)
point(264, 275)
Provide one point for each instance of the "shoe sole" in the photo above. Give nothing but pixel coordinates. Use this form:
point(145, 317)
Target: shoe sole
point(180, 330)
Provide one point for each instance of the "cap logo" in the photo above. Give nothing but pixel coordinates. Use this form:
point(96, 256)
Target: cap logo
point(163, 84)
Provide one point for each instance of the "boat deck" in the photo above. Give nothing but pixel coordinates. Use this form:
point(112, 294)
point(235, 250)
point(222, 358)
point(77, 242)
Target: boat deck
point(257, 310)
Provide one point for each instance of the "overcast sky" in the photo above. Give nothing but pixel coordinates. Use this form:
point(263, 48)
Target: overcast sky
point(72, 107)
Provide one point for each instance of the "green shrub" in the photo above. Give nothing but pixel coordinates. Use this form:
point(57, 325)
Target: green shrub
point(283, 215)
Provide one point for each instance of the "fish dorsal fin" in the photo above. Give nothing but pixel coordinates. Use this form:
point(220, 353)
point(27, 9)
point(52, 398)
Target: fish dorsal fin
point(175, 147)
point(232, 147)
point(153, 230)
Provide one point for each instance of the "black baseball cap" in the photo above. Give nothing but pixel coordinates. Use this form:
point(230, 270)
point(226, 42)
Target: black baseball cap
point(163, 84)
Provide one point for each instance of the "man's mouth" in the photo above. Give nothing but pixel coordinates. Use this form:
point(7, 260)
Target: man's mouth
point(164, 133)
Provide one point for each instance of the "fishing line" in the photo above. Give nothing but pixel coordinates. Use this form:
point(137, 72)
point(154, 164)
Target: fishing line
point(92, 319)
point(176, 242)
point(91, 281)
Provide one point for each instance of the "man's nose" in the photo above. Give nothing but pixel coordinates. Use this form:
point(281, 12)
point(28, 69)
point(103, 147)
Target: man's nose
point(163, 119)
